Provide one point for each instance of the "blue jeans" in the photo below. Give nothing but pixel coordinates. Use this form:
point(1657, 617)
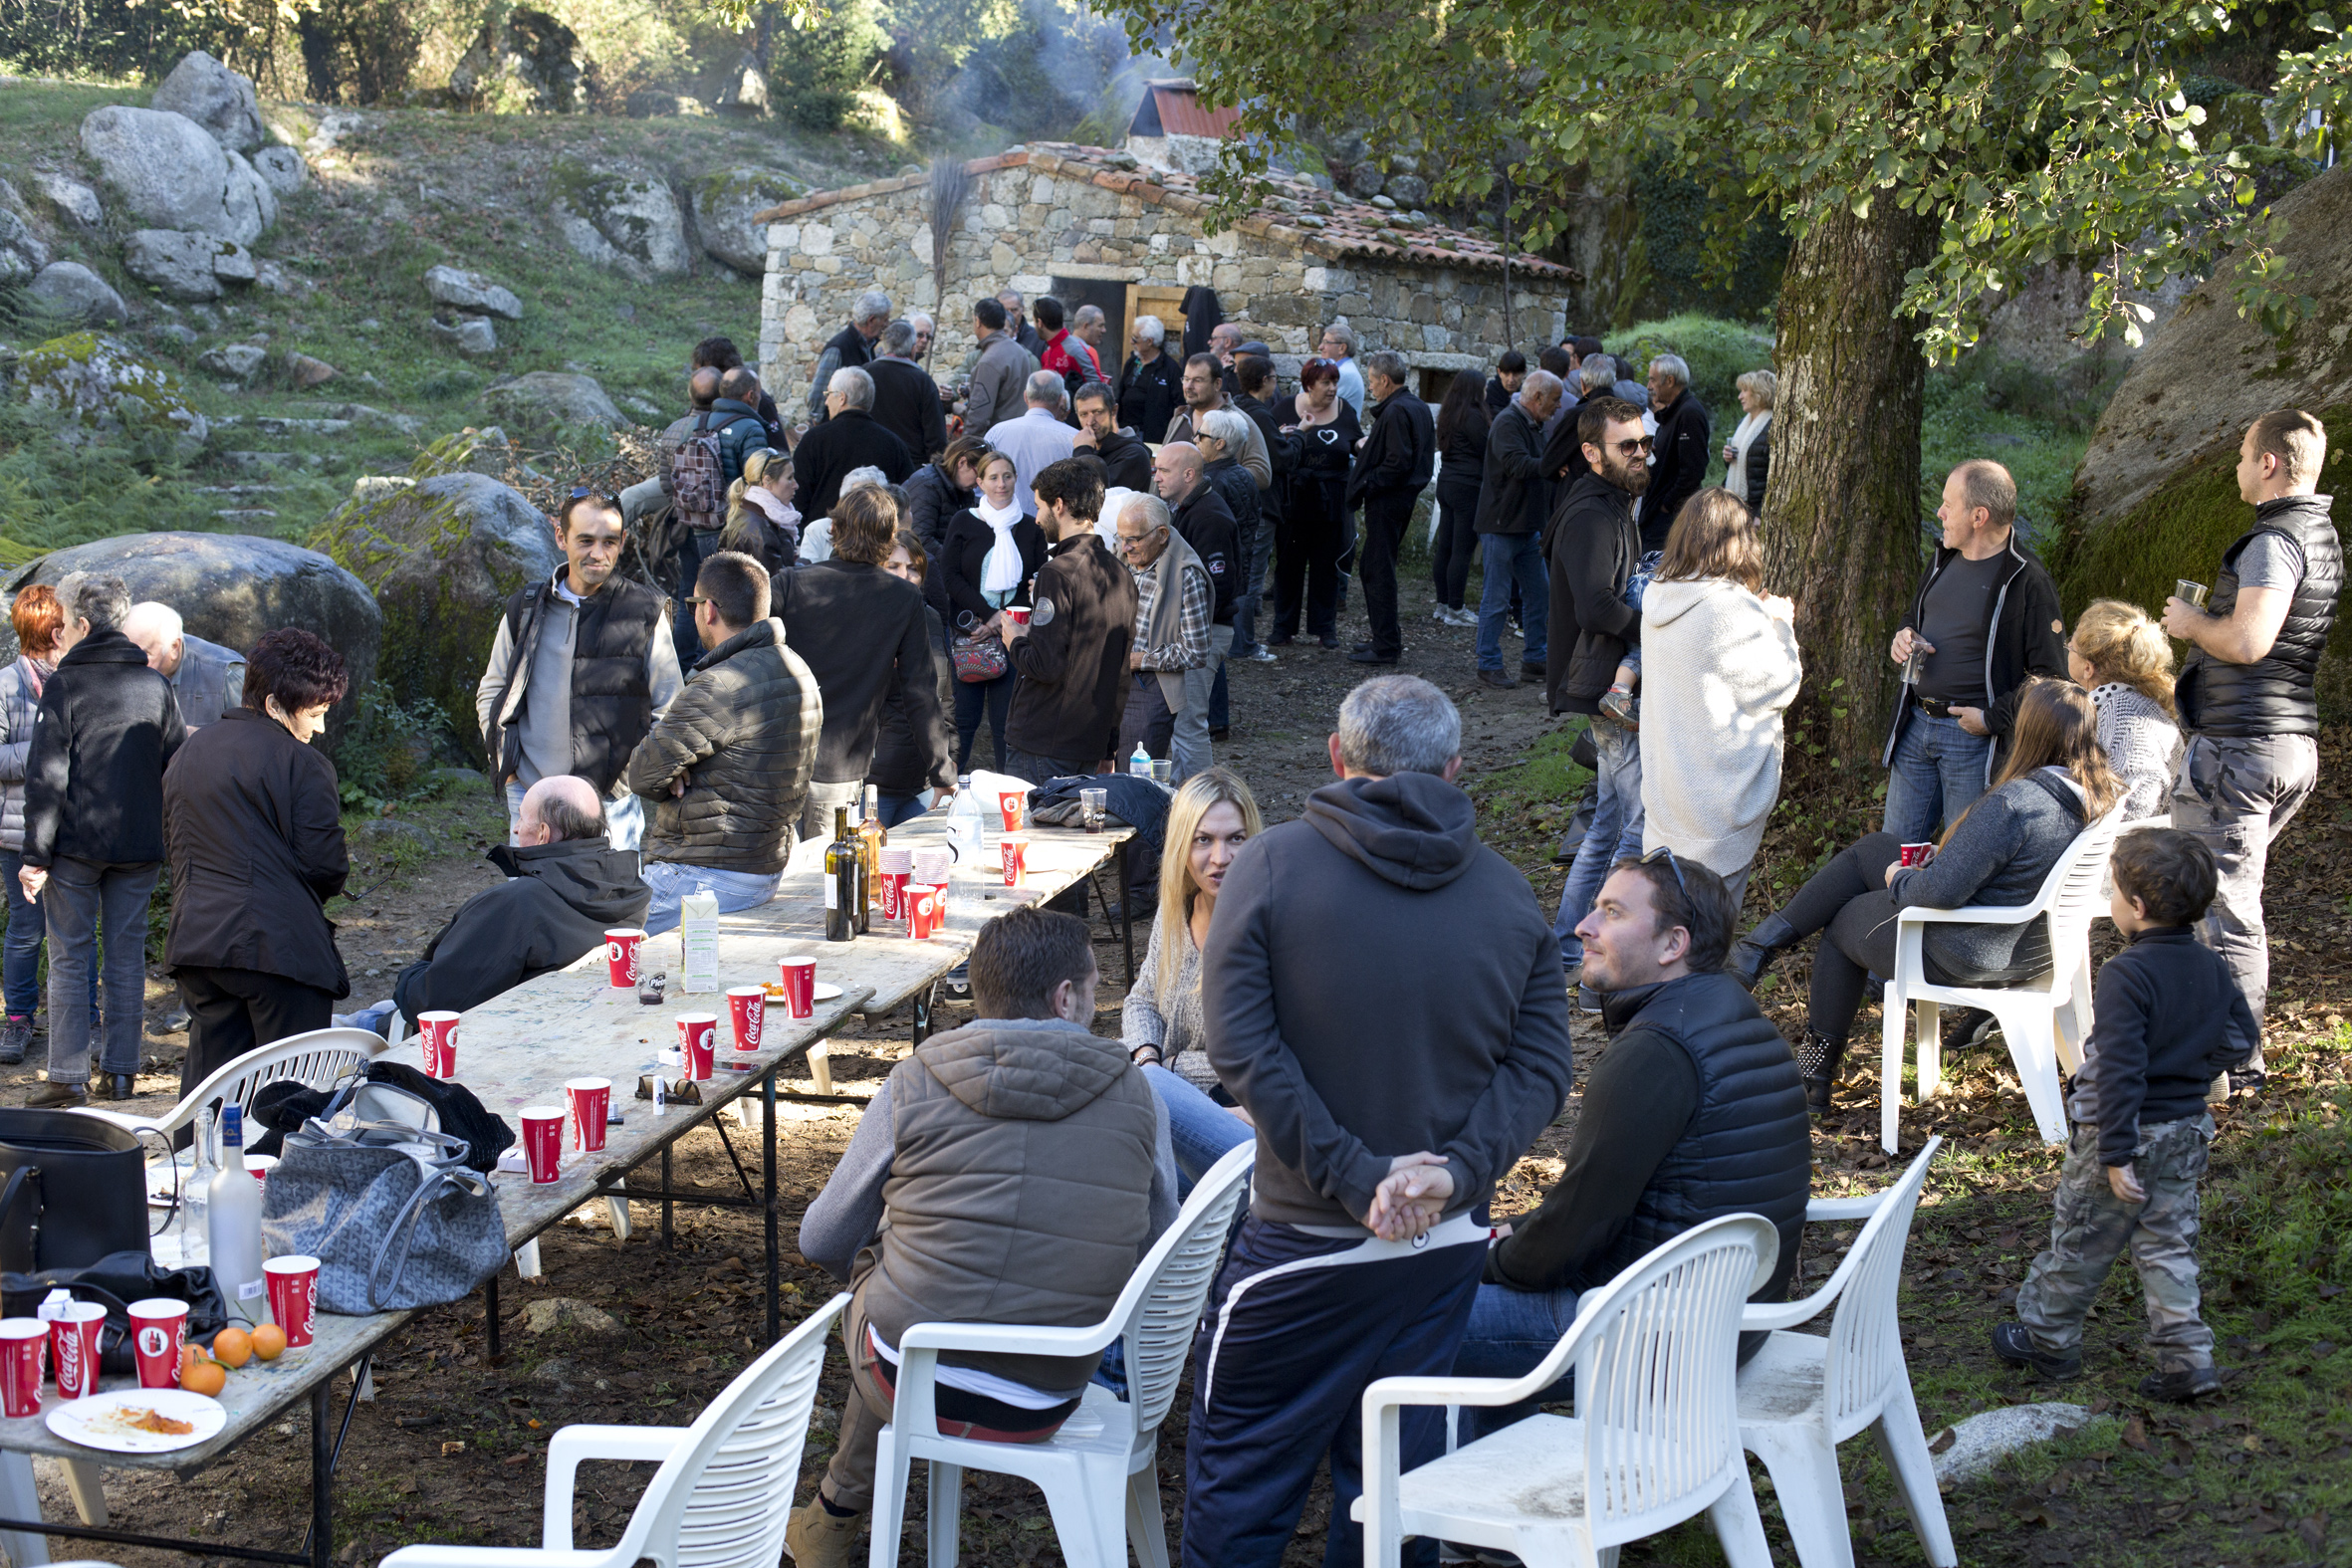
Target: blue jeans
point(1615, 834)
point(1510, 1334)
point(20, 959)
point(973, 701)
point(1202, 1131)
point(1509, 557)
point(897, 808)
point(671, 881)
point(624, 818)
point(82, 899)
point(1937, 772)
point(373, 1017)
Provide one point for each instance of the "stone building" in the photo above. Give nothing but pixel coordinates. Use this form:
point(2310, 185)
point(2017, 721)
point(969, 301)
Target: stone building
point(1094, 226)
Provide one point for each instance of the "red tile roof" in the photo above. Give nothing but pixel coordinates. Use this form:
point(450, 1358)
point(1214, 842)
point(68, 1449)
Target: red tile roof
point(1175, 106)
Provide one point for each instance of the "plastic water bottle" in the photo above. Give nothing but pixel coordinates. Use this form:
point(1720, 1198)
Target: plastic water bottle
point(1140, 763)
point(195, 1197)
point(233, 1224)
point(963, 823)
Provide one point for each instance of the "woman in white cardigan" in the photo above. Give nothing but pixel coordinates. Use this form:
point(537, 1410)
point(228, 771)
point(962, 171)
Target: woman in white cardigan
point(1748, 455)
point(1718, 667)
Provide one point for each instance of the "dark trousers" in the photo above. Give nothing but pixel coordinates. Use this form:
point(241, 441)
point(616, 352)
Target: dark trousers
point(234, 1011)
point(973, 698)
point(1147, 718)
point(1456, 542)
point(1036, 767)
point(1279, 1369)
point(697, 547)
point(1386, 514)
point(1306, 567)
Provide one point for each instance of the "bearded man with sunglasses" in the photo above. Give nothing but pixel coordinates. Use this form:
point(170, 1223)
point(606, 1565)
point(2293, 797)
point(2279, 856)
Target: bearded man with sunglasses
point(1592, 548)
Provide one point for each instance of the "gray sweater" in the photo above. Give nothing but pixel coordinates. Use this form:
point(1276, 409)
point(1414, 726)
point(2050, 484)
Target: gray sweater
point(1999, 854)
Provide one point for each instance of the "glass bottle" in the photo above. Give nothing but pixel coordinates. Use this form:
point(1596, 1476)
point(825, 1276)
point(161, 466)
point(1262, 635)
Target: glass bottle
point(842, 881)
point(195, 1199)
point(233, 1224)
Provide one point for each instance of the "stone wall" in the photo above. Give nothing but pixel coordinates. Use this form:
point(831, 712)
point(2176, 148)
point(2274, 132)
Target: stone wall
point(1032, 217)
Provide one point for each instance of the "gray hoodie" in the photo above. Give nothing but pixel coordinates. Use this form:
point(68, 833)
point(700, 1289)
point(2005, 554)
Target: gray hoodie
point(1379, 983)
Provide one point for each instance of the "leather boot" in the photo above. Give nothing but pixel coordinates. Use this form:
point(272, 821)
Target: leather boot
point(1753, 953)
point(114, 1085)
point(1817, 1060)
point(52, 1096)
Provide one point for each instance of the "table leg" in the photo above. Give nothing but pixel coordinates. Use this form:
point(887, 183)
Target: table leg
point(923, 1013)
point(18, 1500)
point(767, 1177)
point(1127, 911)
point(321, 1477)
point(490, 1312)
point(86, 1482)
point(665, 1197)
point(820, 1066)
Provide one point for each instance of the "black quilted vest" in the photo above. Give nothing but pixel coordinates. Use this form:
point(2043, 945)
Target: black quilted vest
point(2274, 694)
point(611, 703)
point(851, 345)
point(1749, 1148)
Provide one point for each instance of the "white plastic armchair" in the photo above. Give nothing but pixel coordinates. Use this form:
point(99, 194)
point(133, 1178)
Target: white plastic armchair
point(1655, 1438)
point(724, 1489)
point(316, 1060)
point(1802, 1394)
point(2030, 1013)
point(1098, 1473)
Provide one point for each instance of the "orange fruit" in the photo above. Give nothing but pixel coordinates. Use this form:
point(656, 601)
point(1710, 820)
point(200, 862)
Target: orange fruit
point(189, 1355)
point(232, 1347)
point(205, 1377)
point(269, 1341)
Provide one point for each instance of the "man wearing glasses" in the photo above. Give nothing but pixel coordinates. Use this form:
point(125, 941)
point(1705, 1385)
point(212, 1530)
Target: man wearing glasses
point(1173, 603)
point(1592, 548)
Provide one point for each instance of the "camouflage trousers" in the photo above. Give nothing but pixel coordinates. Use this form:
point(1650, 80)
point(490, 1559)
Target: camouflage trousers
point(2092, 1228)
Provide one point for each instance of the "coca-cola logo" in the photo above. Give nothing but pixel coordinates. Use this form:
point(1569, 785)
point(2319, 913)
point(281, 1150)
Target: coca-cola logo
point(750, 1027)
point(69, 1360)
point(154, 1341)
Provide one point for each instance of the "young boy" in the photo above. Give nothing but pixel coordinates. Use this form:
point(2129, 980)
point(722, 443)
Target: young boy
point(2168, 1019)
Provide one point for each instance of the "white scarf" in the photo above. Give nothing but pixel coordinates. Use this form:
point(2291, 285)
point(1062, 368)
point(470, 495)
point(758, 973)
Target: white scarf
point(999, 572)
point(1741, 438)
point(779, 512)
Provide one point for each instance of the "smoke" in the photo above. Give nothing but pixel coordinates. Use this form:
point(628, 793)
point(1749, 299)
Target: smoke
point(1059, 73)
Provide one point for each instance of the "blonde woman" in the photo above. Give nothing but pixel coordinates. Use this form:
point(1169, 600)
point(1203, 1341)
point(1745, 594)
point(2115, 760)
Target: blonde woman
point(1748, 453)
point(2124, 660)
point(1210, 820)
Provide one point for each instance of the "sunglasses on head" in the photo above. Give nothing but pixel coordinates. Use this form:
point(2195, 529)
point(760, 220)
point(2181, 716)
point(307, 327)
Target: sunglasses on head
point(1672, 865)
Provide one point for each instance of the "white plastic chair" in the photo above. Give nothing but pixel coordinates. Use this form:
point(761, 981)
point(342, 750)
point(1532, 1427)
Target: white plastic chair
point(1802, 1394)
point(724, 1489)
point(1655, 1438)
point(2030, 1013)
point(318, 1060)
point(1098, 1472)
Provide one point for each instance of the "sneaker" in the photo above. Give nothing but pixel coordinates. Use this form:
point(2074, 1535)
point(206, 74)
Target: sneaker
point(2179, 1388)
point(2248, 1084)
point(1261, 655)
point(1621, 707)
point(816, 1538)
point(958, 982)
point(2014, 1345)
point(16, 1036)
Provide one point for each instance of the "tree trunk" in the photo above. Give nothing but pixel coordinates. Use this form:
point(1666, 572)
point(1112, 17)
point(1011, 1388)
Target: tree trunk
point(1843, 500)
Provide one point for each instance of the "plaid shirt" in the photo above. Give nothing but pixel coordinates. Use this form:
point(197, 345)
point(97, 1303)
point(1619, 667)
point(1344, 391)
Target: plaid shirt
point(1191, 649)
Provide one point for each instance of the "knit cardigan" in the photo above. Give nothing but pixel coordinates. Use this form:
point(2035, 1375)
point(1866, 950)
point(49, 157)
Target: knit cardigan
point(2143, 745)
point(1718, 667)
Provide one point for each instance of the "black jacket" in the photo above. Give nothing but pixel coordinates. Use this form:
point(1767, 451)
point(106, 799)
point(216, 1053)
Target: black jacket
point(1209, 527)
point(849, 440)
point(555, 905)
point(1513, 497)
point(1282, 455)
point(1125, 460)
point(2168, 1019)
point(2274, 695)
point(902, 762)
point(1592, 551)
point(254, 820)
point(1074, 662)
point(1318, 487)
point(906, 403)
point(1465, 451)
point(1683, 449)
point(1399, 452)
point(1239, 491)
point(954, 589)
point(1150, 394)
point(1321, 1022)
point(934, 499)
point(107, 728)
point(2028, 637)
point(863, 635)
point(740, 740)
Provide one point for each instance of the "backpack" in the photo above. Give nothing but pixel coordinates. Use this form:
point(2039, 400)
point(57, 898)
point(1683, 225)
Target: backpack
point(698, 476)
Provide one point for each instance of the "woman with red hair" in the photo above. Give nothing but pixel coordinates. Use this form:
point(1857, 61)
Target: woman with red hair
point(35, 616)
point(1313, 538)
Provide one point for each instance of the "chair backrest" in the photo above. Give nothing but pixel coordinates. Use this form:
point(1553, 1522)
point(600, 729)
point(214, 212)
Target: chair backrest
point(318, 1060)
point(1657, 1370)
point(721, 1499)
point(1161, 1305)
point(1865, 1335)
point(2071, 893)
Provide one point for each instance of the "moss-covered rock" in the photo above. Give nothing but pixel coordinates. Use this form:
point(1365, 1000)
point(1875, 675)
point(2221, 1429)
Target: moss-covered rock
point(101, 386)
point(623, 215)
point(726, 204)
point(441, 556)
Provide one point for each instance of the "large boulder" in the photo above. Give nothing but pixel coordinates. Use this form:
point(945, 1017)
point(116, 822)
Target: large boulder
point(23, 253)
point(2156, 497)
point(442, 557)
point(171, 174)
point(472, 292)
point(216, 98)
point(73, 293)
point(724, 204)
point(70, 200)
point(232, 587)
point(185, 266)
point(621, 215)
point(546, 403)
point(101, 387)
point(282, 169)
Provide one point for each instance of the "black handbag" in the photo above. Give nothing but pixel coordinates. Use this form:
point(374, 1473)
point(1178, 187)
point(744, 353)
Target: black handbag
point(73, 1190)
point(113, 1283)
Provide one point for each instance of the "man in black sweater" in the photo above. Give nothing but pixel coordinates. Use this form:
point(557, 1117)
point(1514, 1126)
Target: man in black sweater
point(1695, 1111)
point(1073, 651)
point(1382, 1000)
point(906, 399)
point(1512, 503)
point(1206, 523)
point(2170, 1018)
point(1685, 443)
point(850, 438)
point(1124, 460)
point(1391, 470)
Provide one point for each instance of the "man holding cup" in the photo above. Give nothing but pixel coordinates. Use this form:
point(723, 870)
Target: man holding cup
point(2245, 694)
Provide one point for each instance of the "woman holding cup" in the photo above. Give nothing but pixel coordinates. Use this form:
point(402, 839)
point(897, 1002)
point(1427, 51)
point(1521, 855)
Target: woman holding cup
point(1163, 1024)
point(985, 563)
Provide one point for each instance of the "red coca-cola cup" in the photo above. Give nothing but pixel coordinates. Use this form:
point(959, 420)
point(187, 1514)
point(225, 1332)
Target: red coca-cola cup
point(1017, 614)
point(542, 1141)
point(698, 1038)
point(259, 1167)
point(158, 1331)
point(591, 1099)
point(24, 1361)
point(1013, 807)
point(800, 986)
point(746, 1011)
point(75, 1337)
point(294, 1295)
point(1015, 849)
point(623, 945)
point(438, 1032)
point(1915, 856)
point(896, 869)
point(923, 906)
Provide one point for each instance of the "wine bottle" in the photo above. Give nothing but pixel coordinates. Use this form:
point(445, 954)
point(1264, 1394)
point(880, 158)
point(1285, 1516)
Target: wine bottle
point(842, 881)
point(870, 838)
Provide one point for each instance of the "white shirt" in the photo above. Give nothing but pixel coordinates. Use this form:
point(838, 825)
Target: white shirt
point(1033, 441)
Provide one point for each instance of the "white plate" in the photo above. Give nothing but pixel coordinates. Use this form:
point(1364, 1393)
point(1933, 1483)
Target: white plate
point(98, 1422)
point(825, 990)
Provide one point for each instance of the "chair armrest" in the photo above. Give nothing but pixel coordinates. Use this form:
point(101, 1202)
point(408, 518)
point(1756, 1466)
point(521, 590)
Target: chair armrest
point(1762, 1316)
point(1831, 1211)
point(1974, 914)
point(1395, 1393)
point(570, 1444)
point(125, 1120)
point(1009, 1338)
point(492, 1557)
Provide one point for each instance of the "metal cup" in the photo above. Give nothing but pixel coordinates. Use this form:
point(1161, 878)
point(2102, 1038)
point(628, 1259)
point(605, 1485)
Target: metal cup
point(2194, 592)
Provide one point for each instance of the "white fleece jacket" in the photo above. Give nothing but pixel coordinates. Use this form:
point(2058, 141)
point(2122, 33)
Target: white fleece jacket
point(1719, 666)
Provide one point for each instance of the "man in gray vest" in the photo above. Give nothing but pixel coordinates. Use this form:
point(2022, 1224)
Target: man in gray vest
point(1695, 1111)
point(2245, 694)
point(207, 678)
